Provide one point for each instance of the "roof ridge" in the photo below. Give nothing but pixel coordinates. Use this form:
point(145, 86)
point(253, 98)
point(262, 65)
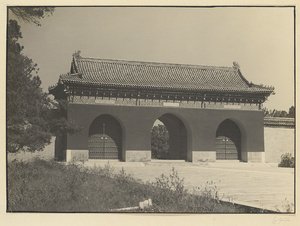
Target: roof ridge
point(155, 63)
point(75, 63)
point(243, 78)
point(121, 73)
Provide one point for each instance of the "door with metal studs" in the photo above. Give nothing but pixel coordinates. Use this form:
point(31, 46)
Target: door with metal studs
point(102, 146)
point(228, 141)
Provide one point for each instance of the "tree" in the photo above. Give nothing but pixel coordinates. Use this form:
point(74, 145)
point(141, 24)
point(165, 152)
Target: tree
point(31, 14)
point(280, 113)
point(291, 113)
point(277, 113)
point(32, 117)
point(159, 142)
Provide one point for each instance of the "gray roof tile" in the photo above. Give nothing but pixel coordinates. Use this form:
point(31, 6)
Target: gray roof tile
point(116, 73)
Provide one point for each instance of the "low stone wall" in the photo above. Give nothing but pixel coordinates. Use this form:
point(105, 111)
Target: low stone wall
point(138, 156)
point(278, 141)
point(204, 156)
point(279, 122)
point(77, 155)
point(47, 154)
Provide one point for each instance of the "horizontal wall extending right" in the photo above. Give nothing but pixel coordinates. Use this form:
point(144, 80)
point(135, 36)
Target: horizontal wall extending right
point(278, 141)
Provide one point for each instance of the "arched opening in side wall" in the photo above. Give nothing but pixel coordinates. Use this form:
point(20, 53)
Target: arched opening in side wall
point(228, 141)
point(105, 138)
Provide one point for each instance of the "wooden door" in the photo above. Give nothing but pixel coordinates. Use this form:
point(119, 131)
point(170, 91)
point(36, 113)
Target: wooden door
point(102, 146)
point(228, 141)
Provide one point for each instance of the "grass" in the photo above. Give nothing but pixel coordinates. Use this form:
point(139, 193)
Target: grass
point(48, 186)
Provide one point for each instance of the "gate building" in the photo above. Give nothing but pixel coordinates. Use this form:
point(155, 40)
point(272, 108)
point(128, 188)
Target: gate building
point(211, 113)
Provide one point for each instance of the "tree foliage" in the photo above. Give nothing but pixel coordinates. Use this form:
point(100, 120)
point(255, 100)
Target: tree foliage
point(291, 113)
point(280, 113)
point(159, 142)
point(32, 117)
point(32, 14)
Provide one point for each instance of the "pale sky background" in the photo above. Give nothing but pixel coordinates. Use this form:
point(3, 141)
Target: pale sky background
point(261, 40)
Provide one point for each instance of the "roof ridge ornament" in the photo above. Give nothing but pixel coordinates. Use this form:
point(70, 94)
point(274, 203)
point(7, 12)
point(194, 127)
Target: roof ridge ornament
point(74, 66)
point(236, 65)
point(77, 53)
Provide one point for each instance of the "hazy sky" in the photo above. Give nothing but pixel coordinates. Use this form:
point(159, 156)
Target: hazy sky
point(260, 39)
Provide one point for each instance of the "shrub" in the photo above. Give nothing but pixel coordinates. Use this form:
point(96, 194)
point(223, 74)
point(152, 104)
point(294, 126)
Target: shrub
point(287, 160)
point(48, 186)
point(159, 142)
point(287, 207)
point(168, 191)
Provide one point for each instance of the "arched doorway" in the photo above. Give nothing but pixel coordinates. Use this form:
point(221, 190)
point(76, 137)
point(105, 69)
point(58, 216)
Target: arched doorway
point(105, 138)
point(176, 133)
point(228, 141)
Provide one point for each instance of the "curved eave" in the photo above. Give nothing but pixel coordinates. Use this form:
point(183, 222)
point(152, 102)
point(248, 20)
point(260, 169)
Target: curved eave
point(53, 89)
point(57, 91)
point(264, 91)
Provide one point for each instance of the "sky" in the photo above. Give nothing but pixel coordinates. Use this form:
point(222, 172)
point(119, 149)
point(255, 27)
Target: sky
point(261, 40)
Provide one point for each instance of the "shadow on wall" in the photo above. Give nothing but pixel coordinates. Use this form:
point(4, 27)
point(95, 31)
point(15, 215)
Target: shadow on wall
point(278, 141)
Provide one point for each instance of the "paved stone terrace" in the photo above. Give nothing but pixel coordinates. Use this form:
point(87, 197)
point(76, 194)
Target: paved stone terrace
point(253, 184)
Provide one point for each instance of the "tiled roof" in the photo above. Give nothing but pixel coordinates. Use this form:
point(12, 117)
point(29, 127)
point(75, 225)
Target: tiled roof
point(279, 122)
point(133, 74)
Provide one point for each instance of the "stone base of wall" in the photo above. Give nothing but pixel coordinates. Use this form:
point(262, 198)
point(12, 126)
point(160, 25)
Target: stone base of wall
point(258, 157)
point(77, 155)
point(255, 156)
point(138, 156)
point(203, 156)
point(189, 156)
point(244, 156)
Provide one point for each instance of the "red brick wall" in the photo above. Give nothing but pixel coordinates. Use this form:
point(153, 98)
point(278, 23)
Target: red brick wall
point(136, 123)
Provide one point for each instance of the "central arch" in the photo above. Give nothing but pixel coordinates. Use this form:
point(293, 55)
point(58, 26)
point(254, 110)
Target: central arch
point(105, 138)
point(177, 137)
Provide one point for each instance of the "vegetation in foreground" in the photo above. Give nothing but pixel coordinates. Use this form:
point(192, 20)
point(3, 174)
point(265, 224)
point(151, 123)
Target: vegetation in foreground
point(48, 186)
